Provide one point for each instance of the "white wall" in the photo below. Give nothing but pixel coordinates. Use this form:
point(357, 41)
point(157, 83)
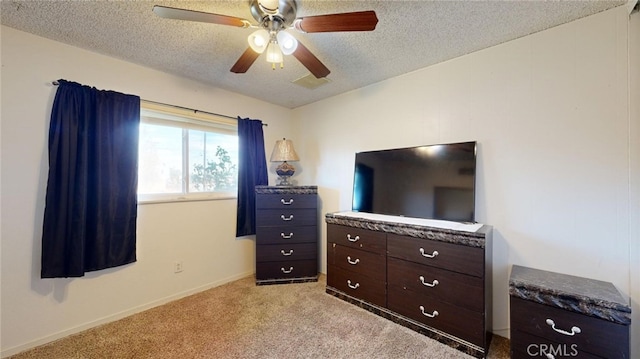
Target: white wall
point(550, 113)
point(201, 234)
point(634, 126)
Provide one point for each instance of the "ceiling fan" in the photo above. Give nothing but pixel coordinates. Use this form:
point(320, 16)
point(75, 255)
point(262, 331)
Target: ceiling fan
point(274, 17)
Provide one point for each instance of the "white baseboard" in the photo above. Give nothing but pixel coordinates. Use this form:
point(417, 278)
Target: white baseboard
point(502, 332)
point(64, 333)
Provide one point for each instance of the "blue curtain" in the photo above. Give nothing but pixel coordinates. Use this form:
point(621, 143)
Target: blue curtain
point(91, 201)
point(252, 171)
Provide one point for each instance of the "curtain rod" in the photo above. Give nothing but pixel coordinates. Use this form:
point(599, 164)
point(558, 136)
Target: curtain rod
point(55, 83)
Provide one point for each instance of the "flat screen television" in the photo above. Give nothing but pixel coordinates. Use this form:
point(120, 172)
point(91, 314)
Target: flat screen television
point(432, 182)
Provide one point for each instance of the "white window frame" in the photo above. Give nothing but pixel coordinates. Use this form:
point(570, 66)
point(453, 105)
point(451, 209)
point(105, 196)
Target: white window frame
point(166, 115)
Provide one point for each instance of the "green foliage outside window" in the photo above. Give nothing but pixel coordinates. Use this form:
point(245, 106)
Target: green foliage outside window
point(217, 175)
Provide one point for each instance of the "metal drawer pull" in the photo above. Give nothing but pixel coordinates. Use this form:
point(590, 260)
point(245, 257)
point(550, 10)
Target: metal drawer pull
point(353, 262)
point(574, 330)
point(286, 203)
point(287, 271)
point(432, 284)
point(285, 218)
point(355, 286)
point(285, 236)
point(352, 239)
point(286, 254)
point(434, 254)
point(432, 315)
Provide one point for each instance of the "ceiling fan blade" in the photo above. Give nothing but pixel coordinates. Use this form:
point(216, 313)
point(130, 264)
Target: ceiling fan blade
point(245, 61)
point(350, 21)
point(192, 15)
point(310, 61)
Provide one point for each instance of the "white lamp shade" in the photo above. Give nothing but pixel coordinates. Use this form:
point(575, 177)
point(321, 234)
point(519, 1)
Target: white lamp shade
point(259, 40)
point(287, 42)
point(284, 151)
point(274, 54)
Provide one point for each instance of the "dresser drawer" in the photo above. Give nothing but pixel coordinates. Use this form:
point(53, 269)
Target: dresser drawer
point(597, 336)
point(357, 238)
point(454, 257)
point(462, 323)
point(526, 346)
point(357, 285)
point(289, 217)
point(286, 269)
point(286, 201)
point(286, 234)
point(458, 289)
point(358, 261)
point(286, 252)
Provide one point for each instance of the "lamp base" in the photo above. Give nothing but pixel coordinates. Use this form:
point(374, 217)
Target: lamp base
point(284, 181)
point(285, 171)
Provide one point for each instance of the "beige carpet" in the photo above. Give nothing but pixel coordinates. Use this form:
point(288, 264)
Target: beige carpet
point(242, 320)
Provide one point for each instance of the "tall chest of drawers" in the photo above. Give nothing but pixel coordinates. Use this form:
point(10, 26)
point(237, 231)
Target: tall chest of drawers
point(286, 234)
point(432, 280)
point(555, 315)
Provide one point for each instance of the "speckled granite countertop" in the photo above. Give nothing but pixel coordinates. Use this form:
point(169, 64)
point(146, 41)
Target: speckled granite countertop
point(576, 294)
point(286, 189)
point(471, 235)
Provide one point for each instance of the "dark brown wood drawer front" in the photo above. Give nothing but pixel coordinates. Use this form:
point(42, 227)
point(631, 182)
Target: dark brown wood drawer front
point(458, 289)
point(286, 234)
point(596, 336)
point(454, 257)
point(462, 323)
point(286, 201)
point(286, 269)
point(357, 238)
point(357, 285)
point(526, 346)
point(289, 217)
point(286, 252)
point(358, 261)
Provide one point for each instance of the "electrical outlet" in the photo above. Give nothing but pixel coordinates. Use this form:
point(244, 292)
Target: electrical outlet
point(177, 267)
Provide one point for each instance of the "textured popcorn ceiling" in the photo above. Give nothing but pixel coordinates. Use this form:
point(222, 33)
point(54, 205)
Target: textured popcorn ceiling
point(410, 35)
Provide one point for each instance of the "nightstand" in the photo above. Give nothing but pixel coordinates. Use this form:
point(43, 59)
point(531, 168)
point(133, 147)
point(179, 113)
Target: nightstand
point(556, 315)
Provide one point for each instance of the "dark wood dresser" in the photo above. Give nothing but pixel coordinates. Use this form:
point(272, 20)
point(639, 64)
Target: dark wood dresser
point(556, 315)
point(286, 234)
point(436, 281)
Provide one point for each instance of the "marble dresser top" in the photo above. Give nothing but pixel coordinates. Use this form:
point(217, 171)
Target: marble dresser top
point(471, 235)
point(576, 294)
point(286, 189)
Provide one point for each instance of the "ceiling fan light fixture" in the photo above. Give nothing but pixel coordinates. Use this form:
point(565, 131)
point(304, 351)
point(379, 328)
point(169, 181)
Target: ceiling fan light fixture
point(287, 42)
point(274, 54)
point(259, 40)
point(274, 17)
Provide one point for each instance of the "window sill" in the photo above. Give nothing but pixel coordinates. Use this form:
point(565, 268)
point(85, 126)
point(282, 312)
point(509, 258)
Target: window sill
point(173, 198)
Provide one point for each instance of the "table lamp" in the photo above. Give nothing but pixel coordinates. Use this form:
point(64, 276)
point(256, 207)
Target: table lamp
point(283, 152)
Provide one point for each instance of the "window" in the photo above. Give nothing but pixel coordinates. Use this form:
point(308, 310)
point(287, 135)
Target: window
point(186, 155)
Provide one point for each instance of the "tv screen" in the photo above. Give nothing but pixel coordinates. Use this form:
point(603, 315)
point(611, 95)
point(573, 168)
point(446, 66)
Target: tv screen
point(433, 182)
